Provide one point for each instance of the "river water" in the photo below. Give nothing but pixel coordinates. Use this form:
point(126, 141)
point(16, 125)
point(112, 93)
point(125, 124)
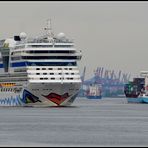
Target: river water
point(105, 122)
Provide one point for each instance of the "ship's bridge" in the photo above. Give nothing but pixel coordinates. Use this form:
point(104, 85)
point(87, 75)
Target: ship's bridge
point(48, 51)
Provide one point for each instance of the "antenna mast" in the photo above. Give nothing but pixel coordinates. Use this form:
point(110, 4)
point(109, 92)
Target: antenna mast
point(49, 29)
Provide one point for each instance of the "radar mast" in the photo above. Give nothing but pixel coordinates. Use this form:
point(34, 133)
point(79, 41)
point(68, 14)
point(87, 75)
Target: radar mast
point(48, 29)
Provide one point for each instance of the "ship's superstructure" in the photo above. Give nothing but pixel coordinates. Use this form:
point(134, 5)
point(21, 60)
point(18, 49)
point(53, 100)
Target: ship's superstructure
point(39, 71)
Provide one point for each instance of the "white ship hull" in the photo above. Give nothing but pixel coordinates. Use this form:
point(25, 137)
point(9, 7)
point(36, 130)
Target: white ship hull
point(39, 94)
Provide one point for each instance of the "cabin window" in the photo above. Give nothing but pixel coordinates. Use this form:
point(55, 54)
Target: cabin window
point(50, 51)
point(67, 46)
point(50, 57)
point(40, 46)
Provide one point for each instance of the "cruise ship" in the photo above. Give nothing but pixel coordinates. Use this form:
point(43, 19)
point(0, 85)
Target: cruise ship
point(39, 71)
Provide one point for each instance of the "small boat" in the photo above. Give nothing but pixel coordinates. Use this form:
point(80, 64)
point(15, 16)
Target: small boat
point(94, 91)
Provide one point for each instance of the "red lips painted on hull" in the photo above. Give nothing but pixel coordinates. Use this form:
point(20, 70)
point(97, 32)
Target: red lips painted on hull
point(56, 98)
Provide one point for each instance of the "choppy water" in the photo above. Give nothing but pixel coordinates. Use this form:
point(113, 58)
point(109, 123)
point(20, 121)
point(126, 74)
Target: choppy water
point(106, 122)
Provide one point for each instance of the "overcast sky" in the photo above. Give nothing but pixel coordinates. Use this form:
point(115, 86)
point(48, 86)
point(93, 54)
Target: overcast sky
point(113, 35)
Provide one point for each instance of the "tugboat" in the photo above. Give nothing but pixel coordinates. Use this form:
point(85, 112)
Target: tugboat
point(94, 91)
